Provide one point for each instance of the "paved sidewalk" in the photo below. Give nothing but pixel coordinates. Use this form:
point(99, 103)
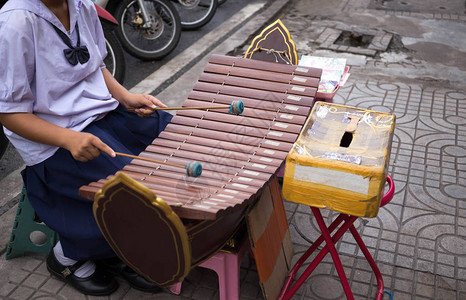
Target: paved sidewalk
point(419, 239)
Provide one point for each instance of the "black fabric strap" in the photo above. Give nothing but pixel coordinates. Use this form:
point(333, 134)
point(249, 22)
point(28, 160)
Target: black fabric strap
point(73, 54)
point(69, 270)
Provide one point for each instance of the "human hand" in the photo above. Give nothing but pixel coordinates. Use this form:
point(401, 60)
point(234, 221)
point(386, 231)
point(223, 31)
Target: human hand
point(142, 104)
point(85, 146)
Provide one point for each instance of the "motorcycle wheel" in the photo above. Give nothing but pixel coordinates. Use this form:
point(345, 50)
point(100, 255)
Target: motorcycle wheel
point(154, 42)
point(115, 60)
point(3, 142)
point(195, 13)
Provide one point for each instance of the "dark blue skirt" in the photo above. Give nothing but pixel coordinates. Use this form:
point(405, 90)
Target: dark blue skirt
point(52, 186)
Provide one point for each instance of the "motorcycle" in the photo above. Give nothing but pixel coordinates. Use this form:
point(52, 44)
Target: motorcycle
point(195, 13)
point(115, 60)
point(147, 29)
point(3, 142)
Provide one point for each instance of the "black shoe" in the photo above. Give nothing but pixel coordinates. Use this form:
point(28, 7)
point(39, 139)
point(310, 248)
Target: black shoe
point(117, 267)
point(139, 282)
point(97, 284)
point(113, 266)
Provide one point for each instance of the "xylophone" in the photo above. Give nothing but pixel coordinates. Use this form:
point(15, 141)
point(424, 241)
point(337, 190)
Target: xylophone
point(239, 154)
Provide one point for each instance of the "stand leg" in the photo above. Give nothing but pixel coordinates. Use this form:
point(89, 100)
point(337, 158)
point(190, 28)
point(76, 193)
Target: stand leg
point(333, 252)
point(371, 261)
point(348, 221)
point(306, 255)
point(289, 290)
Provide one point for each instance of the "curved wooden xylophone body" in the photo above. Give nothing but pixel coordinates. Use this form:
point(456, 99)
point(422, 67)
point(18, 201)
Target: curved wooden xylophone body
point(239, 155)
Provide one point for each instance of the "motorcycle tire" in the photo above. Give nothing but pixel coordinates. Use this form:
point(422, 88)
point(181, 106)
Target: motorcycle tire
point(195, 13)
point(3, 142)
point(115, 60)
point(152, 43)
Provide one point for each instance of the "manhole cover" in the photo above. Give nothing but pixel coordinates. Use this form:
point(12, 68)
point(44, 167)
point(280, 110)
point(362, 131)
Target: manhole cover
point(354, 39)
point(365, 42)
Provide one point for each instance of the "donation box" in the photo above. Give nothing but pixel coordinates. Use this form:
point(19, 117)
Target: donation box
point(340, 160)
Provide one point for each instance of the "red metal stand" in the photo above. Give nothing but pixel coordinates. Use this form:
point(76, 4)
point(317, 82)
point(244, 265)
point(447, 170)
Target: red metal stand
point(289, 290)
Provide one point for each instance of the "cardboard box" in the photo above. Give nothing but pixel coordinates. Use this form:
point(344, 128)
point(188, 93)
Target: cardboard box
point(340, 160)
point(270, 240)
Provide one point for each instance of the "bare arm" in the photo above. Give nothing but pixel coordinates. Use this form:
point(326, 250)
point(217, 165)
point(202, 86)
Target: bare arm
point(128, 99)
point(83, 146)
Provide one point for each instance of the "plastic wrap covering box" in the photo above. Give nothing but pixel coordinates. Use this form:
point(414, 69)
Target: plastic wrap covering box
point(340, 160)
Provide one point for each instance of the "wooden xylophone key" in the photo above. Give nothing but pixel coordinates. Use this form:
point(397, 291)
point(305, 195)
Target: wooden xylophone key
point(251, 122)
point(269, 76)
point(277, 131)
point(168, 147)
point(174, 175)
point(256, 164)
point(184, 198)
point(205, 154)
point(225, 129)
point(295, 114)
point(231, 137)
point(223, 164)
point(248, 93)
point(238, 153)
point(192, 168)
point(191, 139)
point(218, 172)
point(173, 196)
point(201, 188)
point(276, 139)
point(266, 66)
point(258, 84)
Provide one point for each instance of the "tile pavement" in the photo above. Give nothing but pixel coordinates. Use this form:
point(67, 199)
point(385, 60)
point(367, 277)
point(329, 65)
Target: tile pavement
point(418, 240)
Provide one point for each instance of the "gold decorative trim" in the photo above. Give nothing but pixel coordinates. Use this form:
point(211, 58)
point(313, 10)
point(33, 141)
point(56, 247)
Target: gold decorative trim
point(293, 54)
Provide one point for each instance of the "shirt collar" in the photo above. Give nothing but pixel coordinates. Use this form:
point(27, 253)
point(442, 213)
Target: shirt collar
point(38, 8)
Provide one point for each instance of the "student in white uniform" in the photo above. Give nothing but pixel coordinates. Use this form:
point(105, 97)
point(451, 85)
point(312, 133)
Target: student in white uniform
point(66, 115)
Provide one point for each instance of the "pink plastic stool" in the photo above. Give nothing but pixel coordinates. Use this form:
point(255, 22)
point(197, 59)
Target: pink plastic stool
point(227, 266)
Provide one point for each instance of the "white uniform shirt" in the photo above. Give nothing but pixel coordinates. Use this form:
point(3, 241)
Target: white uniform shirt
point(35, 76)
